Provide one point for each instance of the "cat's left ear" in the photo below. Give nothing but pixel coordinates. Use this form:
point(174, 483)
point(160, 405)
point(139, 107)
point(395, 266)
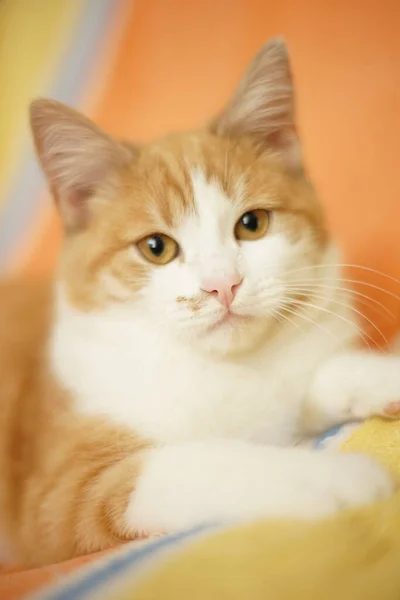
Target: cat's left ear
point(263, 105)
point(76, 157)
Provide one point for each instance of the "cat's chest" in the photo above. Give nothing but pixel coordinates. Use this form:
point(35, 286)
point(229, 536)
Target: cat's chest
point(168, 393)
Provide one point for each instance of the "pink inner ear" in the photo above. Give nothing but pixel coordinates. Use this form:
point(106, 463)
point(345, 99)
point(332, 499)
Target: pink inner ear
point(75, 210)
point(286, 143)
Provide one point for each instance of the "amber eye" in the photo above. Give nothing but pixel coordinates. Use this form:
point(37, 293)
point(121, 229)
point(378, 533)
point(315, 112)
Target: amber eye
point(158, 248)
point(253, 225)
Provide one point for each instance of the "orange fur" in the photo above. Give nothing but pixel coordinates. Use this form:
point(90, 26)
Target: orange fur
point(65, 480)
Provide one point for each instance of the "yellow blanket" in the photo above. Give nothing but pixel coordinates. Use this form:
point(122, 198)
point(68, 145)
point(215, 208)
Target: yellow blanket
point(379, 438)
point(353, 556)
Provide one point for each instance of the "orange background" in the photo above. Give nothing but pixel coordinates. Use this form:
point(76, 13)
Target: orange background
point(179, 60)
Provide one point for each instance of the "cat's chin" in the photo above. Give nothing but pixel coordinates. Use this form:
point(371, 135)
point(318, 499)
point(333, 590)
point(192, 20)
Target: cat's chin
point(235, 334)
point(230, 320)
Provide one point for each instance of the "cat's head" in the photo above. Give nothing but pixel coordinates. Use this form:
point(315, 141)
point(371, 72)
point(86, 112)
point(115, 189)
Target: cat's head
point(203, 233)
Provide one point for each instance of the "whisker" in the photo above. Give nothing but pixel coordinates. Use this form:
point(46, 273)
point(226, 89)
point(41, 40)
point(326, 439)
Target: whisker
point(282, 318)
point(243, 175)
point(228, 148)
point(345, 305)
point(345, 265)
point(389, 313)
point(314, 323)
point(276, 316)
point(327, 311)
point(355, 281)
point(229, 163)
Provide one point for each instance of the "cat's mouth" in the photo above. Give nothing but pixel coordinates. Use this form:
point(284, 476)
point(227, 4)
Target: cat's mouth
point(228, 319)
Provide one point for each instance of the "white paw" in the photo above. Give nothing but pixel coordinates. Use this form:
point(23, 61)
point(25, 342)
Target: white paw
point(378, 390)
point(377, 406)
point(191, 484)
point(354, 387)
point(343, 481)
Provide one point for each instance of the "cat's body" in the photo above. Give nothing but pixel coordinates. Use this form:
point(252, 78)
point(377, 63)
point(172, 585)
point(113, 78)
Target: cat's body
point(196, 333)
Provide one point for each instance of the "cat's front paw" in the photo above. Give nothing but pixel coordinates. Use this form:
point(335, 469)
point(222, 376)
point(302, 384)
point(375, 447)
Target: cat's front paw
point(377, 406)
point(377, 392)
point(351, 388)
point(391, 410)
point(348, 480)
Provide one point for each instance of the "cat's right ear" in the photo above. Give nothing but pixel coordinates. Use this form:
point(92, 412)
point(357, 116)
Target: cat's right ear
point(262, 106)
point(76, 156)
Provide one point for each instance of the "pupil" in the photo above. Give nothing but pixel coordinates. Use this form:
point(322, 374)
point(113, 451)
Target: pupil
point(156, 245)
point(250, 221)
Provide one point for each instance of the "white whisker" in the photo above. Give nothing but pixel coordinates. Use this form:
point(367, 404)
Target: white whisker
point(329, 312)
point(360, 295)
point(314, 323)
point(243, 175)
point(344, 265)
point(345, 305)
point(281, 318)
point(355, 281)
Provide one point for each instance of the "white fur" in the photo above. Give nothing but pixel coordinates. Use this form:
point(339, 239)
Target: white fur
point(224, 480)
point(354, 385)
point(176, 377)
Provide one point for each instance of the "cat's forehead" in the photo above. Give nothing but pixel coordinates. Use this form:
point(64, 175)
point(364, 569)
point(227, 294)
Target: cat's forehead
point(188, 174)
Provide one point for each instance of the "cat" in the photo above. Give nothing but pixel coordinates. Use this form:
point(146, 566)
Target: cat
point(172, 371)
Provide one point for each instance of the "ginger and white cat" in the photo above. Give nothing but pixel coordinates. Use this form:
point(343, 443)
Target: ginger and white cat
point(195, 334)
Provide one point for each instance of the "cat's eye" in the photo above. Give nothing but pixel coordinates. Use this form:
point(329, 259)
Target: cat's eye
point(253, 225)
point(158, 248)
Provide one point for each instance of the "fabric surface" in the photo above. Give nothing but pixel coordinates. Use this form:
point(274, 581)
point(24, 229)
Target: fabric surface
point(17, 582)
point(381, 439)
point(351, 557)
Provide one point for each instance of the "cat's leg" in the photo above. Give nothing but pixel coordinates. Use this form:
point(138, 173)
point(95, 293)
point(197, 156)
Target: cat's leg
point(71, 491)
point(195, 483)
point(353, 386)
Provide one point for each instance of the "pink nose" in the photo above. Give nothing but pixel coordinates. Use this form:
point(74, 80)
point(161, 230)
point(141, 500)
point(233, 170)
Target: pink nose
point(224, 287)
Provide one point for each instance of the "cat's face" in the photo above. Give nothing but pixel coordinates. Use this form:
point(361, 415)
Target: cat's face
point(207, 234)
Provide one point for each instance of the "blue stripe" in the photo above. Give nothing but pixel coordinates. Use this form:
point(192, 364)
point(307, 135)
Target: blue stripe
point(320, 441)
point(76, 589)
point(72, 73)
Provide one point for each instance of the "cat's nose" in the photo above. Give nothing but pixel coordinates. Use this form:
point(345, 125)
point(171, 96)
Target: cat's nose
point(222, 286)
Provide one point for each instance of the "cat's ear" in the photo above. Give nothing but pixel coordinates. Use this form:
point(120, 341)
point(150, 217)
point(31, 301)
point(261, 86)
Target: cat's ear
point(263, 105)
point(76, 156)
